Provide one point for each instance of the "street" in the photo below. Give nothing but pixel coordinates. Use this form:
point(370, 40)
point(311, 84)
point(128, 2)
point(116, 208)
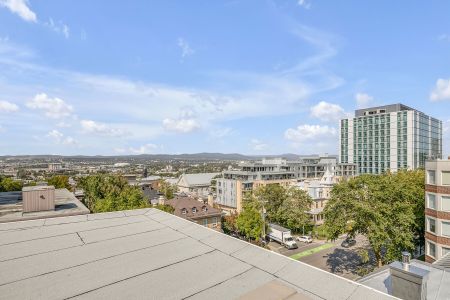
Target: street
point(330, 256)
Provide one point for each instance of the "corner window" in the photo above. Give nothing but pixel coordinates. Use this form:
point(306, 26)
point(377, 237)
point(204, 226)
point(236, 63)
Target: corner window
point(432, 225)
point(431, 177)
point(431, 201)
point(445, 178)
point(431, 249)
point(445, 203)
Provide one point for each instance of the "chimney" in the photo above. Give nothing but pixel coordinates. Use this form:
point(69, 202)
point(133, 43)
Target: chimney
point(161, 200)
point(409, 282)
point(210, 200)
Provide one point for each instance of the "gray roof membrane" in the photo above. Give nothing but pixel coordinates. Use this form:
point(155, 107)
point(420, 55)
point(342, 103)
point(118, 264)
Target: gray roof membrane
point(150, 254)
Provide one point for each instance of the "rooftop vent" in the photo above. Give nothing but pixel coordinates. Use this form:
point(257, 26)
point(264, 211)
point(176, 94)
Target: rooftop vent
point(409, 282)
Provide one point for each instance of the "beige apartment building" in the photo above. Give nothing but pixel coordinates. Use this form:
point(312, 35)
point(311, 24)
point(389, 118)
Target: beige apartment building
point(437, 209)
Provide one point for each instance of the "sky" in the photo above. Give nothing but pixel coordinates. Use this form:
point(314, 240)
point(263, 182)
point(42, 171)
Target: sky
point(252, 77)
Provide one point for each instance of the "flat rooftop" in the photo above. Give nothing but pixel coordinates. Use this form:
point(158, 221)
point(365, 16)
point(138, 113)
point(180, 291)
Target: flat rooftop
point(438, 283)
point(151, 254)
point(65, 205)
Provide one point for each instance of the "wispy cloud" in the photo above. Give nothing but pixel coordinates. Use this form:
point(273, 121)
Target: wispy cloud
point(363, 100)
point(58, 27)
point(304, 3)
point(258, 145)
point(186, 49)
point(21, 8)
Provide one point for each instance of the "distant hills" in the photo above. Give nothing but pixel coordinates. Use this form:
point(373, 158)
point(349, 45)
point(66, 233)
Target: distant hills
point(205, 156)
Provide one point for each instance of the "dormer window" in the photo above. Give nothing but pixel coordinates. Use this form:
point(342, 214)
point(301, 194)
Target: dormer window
point(184, 211)
point(194, 210)
point(204, 208)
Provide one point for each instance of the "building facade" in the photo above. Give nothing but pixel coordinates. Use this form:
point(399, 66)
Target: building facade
point(196, 211)
point(196, 185)
point(390, 137)
point(437, 209)
point(233, 184)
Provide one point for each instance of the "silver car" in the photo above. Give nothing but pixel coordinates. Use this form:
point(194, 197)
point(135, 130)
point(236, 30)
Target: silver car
point(304, 239)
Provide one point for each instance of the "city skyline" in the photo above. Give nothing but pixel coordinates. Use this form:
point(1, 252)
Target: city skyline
point(248, 77)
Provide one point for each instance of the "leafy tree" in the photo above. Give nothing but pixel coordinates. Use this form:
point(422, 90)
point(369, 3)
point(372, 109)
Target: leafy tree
point(110, 193)
point(167, 189)
point(9, 185)
point(285, 206)
point(387, 209)
point(166, 208)
point(229, 223)
point(59, 182)
point(250, 223)
point(292, 211)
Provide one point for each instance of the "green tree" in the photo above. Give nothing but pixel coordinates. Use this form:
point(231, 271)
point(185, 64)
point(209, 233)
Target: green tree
point(9, 185)
point(166, 208)
point(110, 193)
point(167, 189)
point(59, 182)
point(385, 208)
point(249, 223)
point(229, 223)
point(285, 206)
point(292, 211)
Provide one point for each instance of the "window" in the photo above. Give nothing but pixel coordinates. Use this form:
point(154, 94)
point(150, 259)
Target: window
point(431, 177)
point(194, 210)
point(431, 249)
point(446, 228)
point(204, 208)
point(184, 211)
point(445, 178)
point(431, 201)
point(205, 222)
point(445, 251)
point(432, 225)
point(445, 203)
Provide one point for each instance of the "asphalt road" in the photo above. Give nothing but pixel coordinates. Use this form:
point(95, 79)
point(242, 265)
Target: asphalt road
point(338, 260)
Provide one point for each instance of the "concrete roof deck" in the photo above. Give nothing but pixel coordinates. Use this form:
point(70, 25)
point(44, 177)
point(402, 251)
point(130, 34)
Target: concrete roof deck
point(150, 254)
point(66, 204)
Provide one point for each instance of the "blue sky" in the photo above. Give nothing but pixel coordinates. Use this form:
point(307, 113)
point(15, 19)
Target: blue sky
point(254, 77)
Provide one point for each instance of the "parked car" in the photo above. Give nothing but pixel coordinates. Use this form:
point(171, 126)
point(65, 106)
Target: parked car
point(348, 242)
point(305, 239)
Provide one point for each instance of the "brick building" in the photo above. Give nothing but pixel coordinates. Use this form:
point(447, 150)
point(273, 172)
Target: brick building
point(437, 209)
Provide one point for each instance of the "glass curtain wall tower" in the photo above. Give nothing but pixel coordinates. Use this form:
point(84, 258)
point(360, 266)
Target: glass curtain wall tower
point(390, 137)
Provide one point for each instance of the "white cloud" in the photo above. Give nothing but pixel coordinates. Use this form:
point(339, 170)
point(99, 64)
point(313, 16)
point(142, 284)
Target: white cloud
point(181, 125)
point(20, 7)
point(327, 112)
point(441, 91)
point(221, 132)
point(304, 3)
point(54, 108)
point(307, 132)
point(186, 50)
point(101, 129)
point(144, 149)
point(258, 145)
point(59, 138)
point(58, 27)
point(363, 100)
point(55, 134)
point(8, 107)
